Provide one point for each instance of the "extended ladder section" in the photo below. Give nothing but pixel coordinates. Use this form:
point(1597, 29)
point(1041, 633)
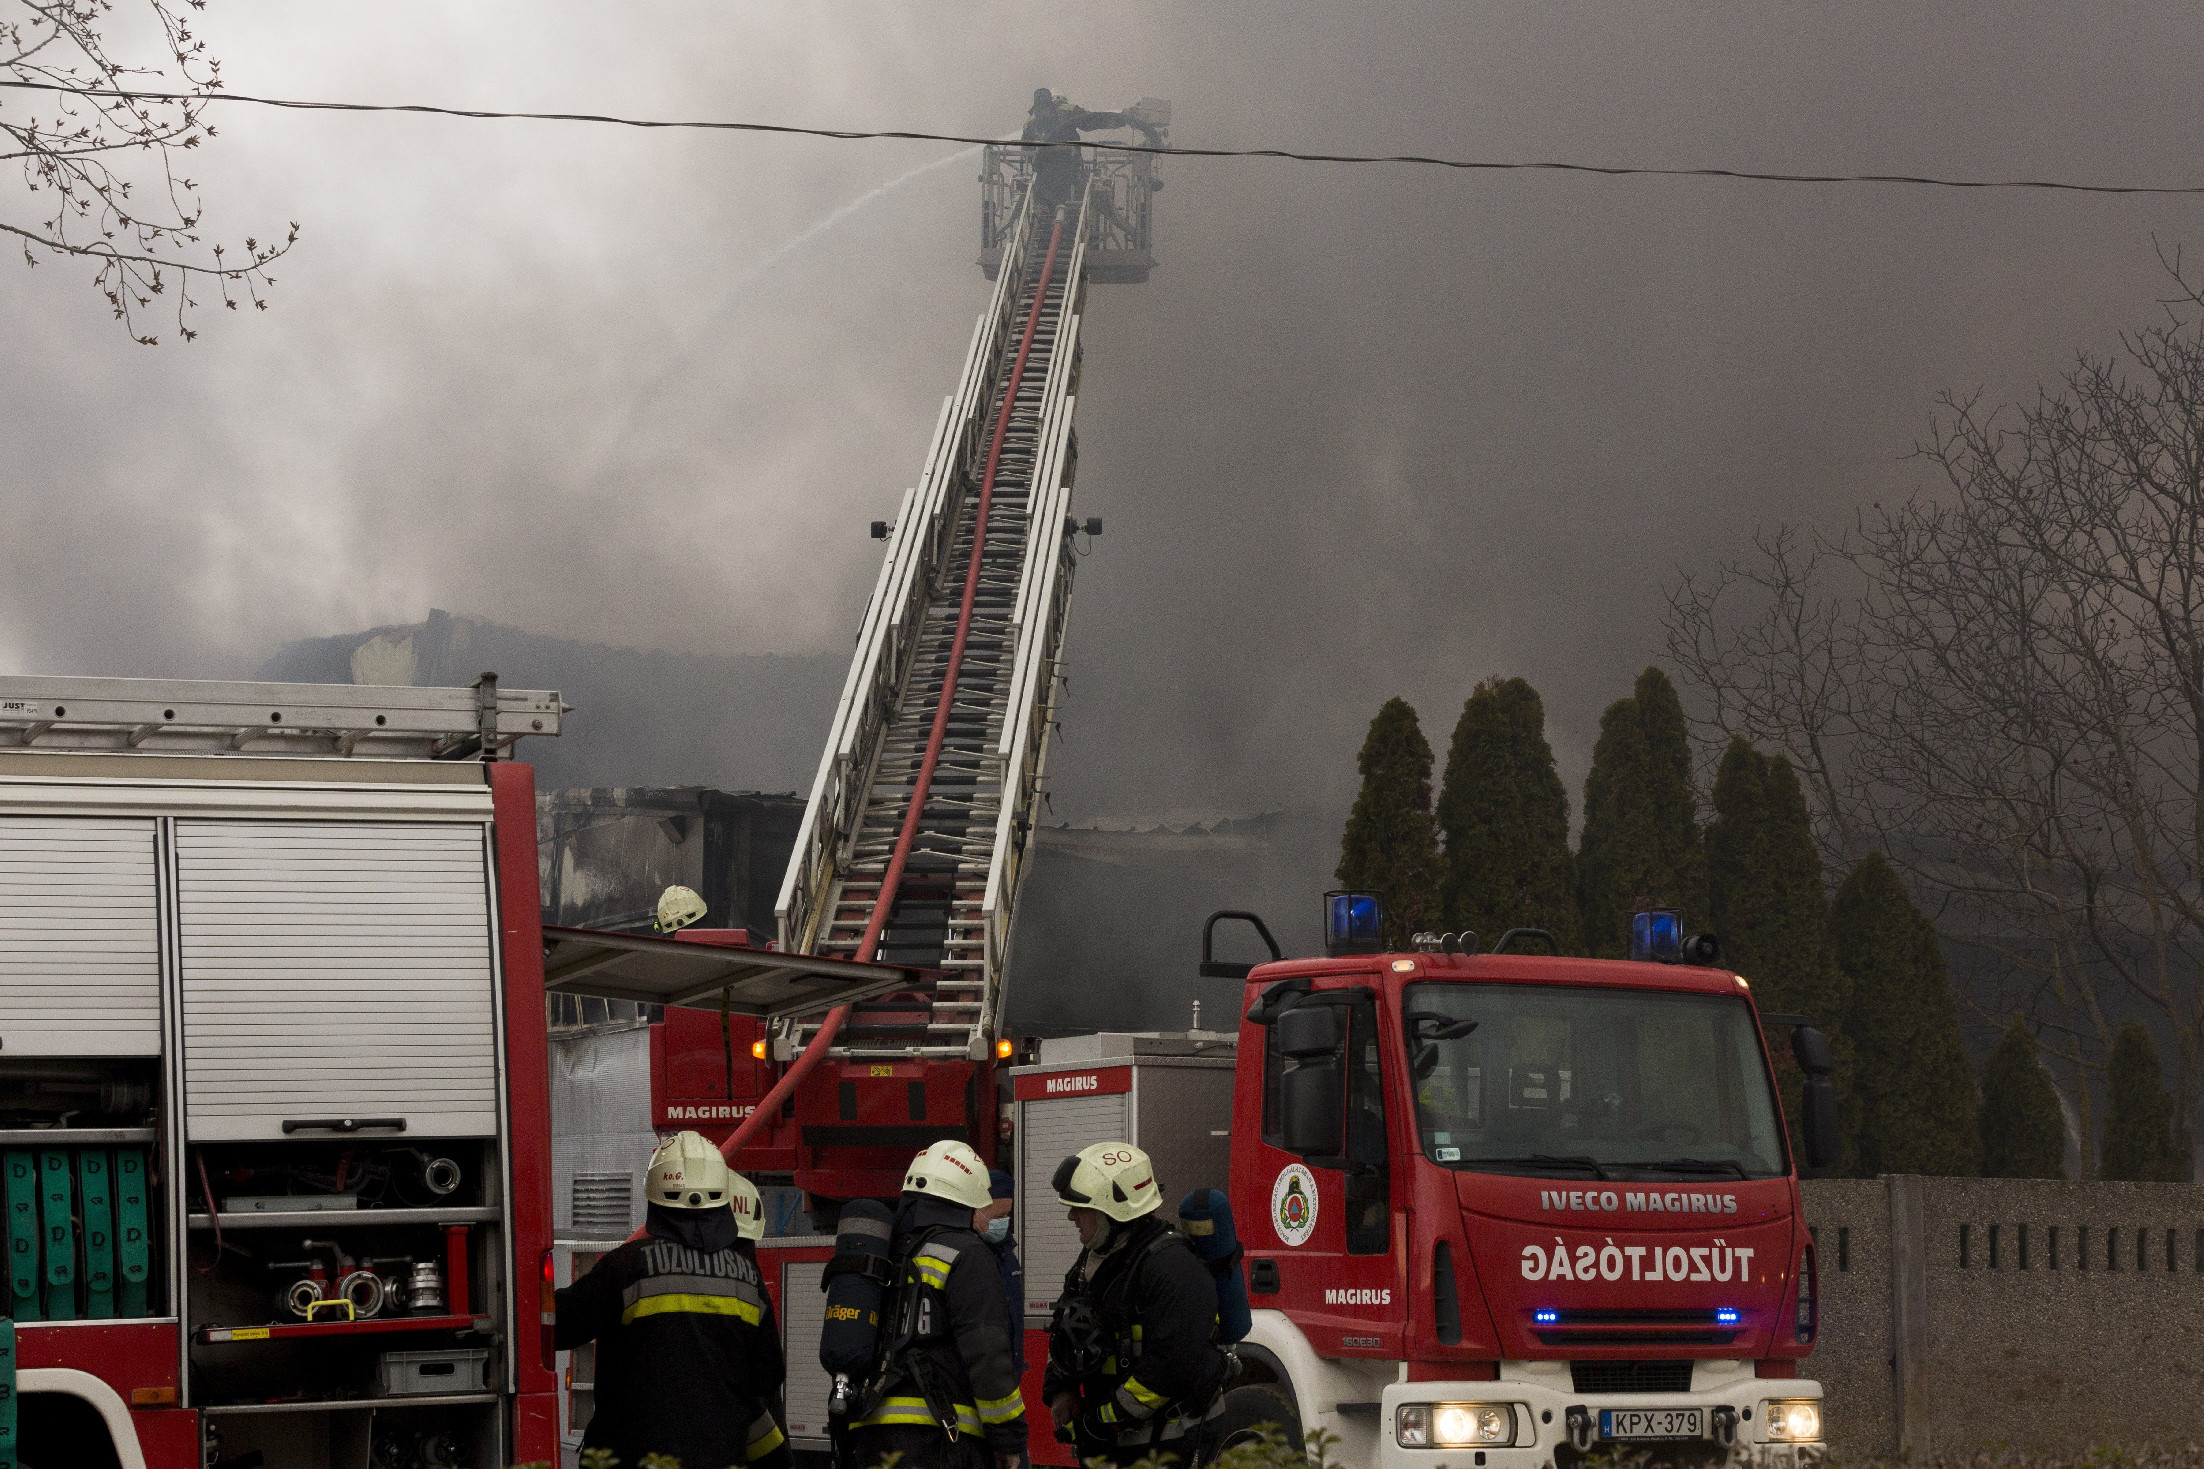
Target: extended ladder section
point(155, 716)
point(979, 764)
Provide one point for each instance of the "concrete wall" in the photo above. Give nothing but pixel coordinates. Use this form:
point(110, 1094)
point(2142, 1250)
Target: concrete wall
point(1960, 1313)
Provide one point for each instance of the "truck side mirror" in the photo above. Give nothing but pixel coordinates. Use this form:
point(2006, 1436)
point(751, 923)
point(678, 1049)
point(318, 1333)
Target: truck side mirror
point(1214, 968)
point(1818, 1114)
point(1312, 1110)
point(1310, 1030)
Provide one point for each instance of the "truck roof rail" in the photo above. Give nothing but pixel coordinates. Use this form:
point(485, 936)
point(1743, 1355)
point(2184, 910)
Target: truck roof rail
point(160, 716)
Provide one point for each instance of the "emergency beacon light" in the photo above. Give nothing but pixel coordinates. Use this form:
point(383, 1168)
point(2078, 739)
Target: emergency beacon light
point(1654, 936)
point(1353, 923)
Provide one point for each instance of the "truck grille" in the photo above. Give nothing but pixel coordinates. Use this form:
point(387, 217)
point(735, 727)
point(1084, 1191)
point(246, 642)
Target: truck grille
point(1622, 1377)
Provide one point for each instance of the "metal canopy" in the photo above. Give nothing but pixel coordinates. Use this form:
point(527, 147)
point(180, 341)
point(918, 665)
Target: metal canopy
point(667, 971)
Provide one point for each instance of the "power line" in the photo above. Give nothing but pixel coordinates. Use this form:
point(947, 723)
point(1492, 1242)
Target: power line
point(1157, 149)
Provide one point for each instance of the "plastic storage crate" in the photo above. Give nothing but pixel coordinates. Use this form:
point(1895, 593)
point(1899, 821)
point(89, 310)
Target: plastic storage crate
point(413, 1374)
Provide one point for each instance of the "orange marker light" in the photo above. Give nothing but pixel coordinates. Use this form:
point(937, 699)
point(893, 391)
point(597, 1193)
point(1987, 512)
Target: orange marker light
point(1003, 1050)
point(757, 1050)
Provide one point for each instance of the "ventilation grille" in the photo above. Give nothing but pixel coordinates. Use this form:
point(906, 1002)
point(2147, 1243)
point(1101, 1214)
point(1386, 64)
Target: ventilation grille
point(603, 1204)
point(1614, 1377)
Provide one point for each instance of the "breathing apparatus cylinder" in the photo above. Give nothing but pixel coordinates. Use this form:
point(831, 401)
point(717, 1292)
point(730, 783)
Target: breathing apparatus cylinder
point(1205, 1218)
point(855, 1280)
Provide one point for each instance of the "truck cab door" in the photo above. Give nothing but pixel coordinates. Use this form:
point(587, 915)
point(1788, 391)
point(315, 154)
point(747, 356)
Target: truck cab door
point(1330, 1221)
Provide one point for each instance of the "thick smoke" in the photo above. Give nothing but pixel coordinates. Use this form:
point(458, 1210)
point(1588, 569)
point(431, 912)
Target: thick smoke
point(1366, 431)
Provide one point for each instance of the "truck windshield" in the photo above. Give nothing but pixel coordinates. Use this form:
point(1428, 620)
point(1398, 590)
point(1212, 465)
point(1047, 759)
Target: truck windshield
point(1586, 1082)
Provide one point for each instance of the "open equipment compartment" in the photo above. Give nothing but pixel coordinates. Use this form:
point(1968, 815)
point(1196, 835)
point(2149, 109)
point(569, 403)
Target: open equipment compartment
point(342, 1083)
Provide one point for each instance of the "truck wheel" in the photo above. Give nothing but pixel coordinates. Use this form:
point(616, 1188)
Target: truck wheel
point(1248, 1410)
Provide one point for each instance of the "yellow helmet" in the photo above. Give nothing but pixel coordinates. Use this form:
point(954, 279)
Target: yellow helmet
point(678, 907)
point(749, 1208)
point(687, 1172)
point(952, 1171)
point(1116, 1178)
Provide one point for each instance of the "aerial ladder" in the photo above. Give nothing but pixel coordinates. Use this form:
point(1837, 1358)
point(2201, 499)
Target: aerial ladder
point(916, 839)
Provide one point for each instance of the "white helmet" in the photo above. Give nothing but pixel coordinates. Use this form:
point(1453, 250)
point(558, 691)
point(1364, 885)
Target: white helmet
point(749, 1208)
point(678, 907)
point(952, 1171)
point(1116, 1178)
point(687, 1172)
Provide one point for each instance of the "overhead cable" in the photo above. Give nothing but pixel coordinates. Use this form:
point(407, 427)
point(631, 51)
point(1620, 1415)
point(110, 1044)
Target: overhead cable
point(1158, 149)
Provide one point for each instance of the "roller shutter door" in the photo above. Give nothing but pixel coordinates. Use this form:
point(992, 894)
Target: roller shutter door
point(80, 966)
point(803, 1319)
point(335, 969)
point(1049, 1130)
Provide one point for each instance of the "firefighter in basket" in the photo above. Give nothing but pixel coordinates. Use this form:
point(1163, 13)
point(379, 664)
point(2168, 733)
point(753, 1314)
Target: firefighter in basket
point(688, 1353)
point(1133, 1362)
point(941, 1392)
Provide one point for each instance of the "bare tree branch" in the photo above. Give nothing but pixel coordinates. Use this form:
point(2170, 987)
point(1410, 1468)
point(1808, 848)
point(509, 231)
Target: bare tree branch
point(109, 164)
point(2012, 703)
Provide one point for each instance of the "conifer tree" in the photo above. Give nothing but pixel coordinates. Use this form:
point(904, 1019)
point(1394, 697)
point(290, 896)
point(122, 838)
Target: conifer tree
point(2023, 1130)
point(1765, 899)
point(1916, 1092)
point(1641, 833)
point(1505, 816)
point(2139, 1124)
point(1390, 846)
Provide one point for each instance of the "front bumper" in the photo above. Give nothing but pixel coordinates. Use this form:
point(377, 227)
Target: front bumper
point(1543, 1395)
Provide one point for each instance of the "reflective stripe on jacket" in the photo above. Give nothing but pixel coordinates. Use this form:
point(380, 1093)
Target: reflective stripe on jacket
point(1157, 1306)
point(688, 1353)
point(963, 1363)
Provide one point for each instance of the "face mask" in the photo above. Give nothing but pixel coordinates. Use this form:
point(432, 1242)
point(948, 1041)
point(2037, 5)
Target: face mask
point(998, 1229)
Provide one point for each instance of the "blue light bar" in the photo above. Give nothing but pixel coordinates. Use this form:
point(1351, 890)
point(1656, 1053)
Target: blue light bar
point(1354, 923)
point(1725, 1316)
point(1545, 1317)
point(1654, 935)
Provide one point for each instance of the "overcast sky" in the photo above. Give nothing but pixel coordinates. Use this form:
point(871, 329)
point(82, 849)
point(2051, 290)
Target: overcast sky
point(1366, 431)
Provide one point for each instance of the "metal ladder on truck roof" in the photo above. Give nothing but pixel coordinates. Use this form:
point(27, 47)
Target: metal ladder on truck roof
point(166, 716)
point(952, 909)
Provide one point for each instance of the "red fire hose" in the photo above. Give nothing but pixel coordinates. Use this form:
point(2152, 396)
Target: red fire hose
point(893, 878)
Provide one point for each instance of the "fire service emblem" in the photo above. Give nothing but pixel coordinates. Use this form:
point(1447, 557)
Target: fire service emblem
point(1293, 1204)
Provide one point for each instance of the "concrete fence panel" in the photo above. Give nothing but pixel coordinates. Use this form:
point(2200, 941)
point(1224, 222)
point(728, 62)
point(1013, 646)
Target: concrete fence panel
point(1963, 1313)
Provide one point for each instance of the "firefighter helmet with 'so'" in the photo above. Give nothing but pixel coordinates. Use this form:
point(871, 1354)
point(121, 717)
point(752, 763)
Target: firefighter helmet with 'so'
point(1115, 1178)
point(678, 907)
point(687, 1172)
point(952, 1171)
point(749, 1208)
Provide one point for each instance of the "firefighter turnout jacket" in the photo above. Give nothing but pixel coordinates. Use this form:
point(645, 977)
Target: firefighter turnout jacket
point(1135, 1337)
point(688, 1352)
point(944, 1359)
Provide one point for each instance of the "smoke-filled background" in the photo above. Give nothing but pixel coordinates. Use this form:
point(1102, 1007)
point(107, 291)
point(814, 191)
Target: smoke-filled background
point(1368, 430)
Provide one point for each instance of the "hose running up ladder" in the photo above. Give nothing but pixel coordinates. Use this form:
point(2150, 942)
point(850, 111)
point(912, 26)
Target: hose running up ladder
point(892, 880)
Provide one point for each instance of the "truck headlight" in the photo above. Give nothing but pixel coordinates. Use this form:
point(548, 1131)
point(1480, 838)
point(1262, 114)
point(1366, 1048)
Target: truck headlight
point(1792, 1420)
point(1454, 1425)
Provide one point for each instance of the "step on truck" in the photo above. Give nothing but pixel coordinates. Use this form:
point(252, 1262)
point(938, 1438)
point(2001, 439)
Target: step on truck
point(1498, 1209)
point(274, 1136)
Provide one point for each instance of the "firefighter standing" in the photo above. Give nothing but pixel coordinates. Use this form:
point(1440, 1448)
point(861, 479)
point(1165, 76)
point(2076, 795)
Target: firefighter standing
point(1059, 172)
point(993, 1225)
point(942, 1393)
point(688, 1353)
point(1133, 1363)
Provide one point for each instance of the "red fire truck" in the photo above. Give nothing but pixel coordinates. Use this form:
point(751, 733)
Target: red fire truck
point(275, 1149)
point(1497, 1208)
